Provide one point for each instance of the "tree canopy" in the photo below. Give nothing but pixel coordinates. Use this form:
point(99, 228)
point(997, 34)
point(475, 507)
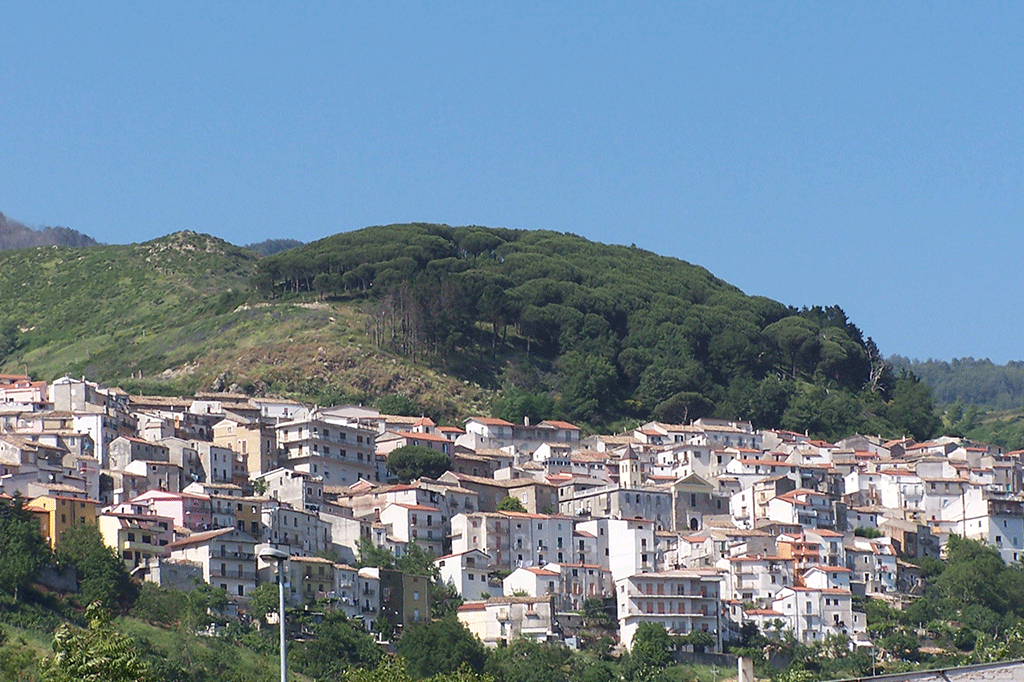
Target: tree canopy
point(415, 461)
point(23, 550)
point(440, 647)
point(102, 577)
point(592, 332)
point(512, 504)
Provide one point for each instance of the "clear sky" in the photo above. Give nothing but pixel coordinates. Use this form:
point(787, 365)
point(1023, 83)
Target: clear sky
point(864, 154)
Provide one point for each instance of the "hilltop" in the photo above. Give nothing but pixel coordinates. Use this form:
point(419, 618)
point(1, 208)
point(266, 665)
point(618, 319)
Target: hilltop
point(15, 235)
point(452, 320)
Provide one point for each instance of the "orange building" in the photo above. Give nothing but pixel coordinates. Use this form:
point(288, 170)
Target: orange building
point(57, 513)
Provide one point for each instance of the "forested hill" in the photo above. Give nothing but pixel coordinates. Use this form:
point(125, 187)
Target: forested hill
point(15, 235)
point(594, 333)
point(973, 382)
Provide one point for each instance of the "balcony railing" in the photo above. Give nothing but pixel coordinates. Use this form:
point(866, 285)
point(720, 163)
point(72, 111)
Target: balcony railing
point(228, 573)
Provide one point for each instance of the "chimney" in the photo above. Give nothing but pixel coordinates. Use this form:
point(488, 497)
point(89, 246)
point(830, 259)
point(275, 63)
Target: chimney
point(526, 420)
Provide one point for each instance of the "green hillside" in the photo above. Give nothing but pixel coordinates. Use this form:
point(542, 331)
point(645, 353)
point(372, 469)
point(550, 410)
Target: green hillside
point(597, 333)
point(449, 321)
point(174, 314)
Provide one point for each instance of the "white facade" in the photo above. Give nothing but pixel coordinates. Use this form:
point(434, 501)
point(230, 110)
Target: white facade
point(812, 614)
point(682, 601)
point(467, 572)
point(624, 546)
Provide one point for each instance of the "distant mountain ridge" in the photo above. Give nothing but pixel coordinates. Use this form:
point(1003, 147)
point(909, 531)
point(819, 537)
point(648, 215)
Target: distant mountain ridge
point(269, 247)
point(972, 381)
point(15, 235)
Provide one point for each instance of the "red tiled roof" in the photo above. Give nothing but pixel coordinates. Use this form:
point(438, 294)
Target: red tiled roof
point(490, 421)
point(560, 425)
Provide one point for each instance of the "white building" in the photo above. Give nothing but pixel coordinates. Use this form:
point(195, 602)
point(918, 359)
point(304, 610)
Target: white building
point(505, 619)
point(339, 450)
point(624, 546)
point(680, 600)
point(417, 523)
point(812, 614)
point(227, 557)
point(467, 572)
point(532, 582)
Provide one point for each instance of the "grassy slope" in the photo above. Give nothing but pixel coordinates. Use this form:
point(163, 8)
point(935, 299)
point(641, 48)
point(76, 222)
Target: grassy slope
point(174, 312)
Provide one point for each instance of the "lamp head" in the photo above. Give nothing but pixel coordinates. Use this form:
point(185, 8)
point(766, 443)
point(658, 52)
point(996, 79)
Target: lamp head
point(273, 555)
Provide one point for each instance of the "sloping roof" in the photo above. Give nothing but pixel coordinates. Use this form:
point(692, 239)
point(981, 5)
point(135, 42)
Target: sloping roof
point(199, 538)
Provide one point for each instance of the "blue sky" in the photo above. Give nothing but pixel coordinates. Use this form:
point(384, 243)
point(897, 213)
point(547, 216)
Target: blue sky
point(869, 155)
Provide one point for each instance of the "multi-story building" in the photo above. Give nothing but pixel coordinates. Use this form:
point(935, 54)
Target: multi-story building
point(813, 613)
point(310, 579)
point(756, 579)
point(186, 509)
point(646, 502)
point(467, 572)
point(681, 600)
point(125, 450)
point(502, 620)
point(624, 546)
point(404, 598)
point(421, 524)
point(299, 489)
point(254, 440)
point(302, 531)
point(139, 539)
point(57, 513)
point(513, 539)
point(340, 451)
point(226, 555)
point(580, 582)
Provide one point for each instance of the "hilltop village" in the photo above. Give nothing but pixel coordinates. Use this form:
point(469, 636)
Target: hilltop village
point(702, 527)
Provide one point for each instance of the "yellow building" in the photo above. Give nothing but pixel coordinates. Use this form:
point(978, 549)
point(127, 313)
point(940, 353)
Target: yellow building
point(138, 539)
point(57, 513)
point(254, 441)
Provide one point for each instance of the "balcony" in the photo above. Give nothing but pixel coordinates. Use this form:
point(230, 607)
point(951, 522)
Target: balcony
point(236, 575)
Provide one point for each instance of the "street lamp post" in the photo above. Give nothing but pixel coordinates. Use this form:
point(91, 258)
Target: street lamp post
point(274, 555)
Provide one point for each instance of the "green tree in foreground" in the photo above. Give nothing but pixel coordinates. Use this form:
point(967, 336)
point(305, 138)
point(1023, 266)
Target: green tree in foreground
point(102, 576)
point(394, 670)
point(415, 461)
point(911, 409)
point(511, 504)
point(650, 652)
point(263, 600)
point(23, 550)
point(338, 646)
point(97, 654)
point(374, 556)
point(526, 659)
point(442, 647)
